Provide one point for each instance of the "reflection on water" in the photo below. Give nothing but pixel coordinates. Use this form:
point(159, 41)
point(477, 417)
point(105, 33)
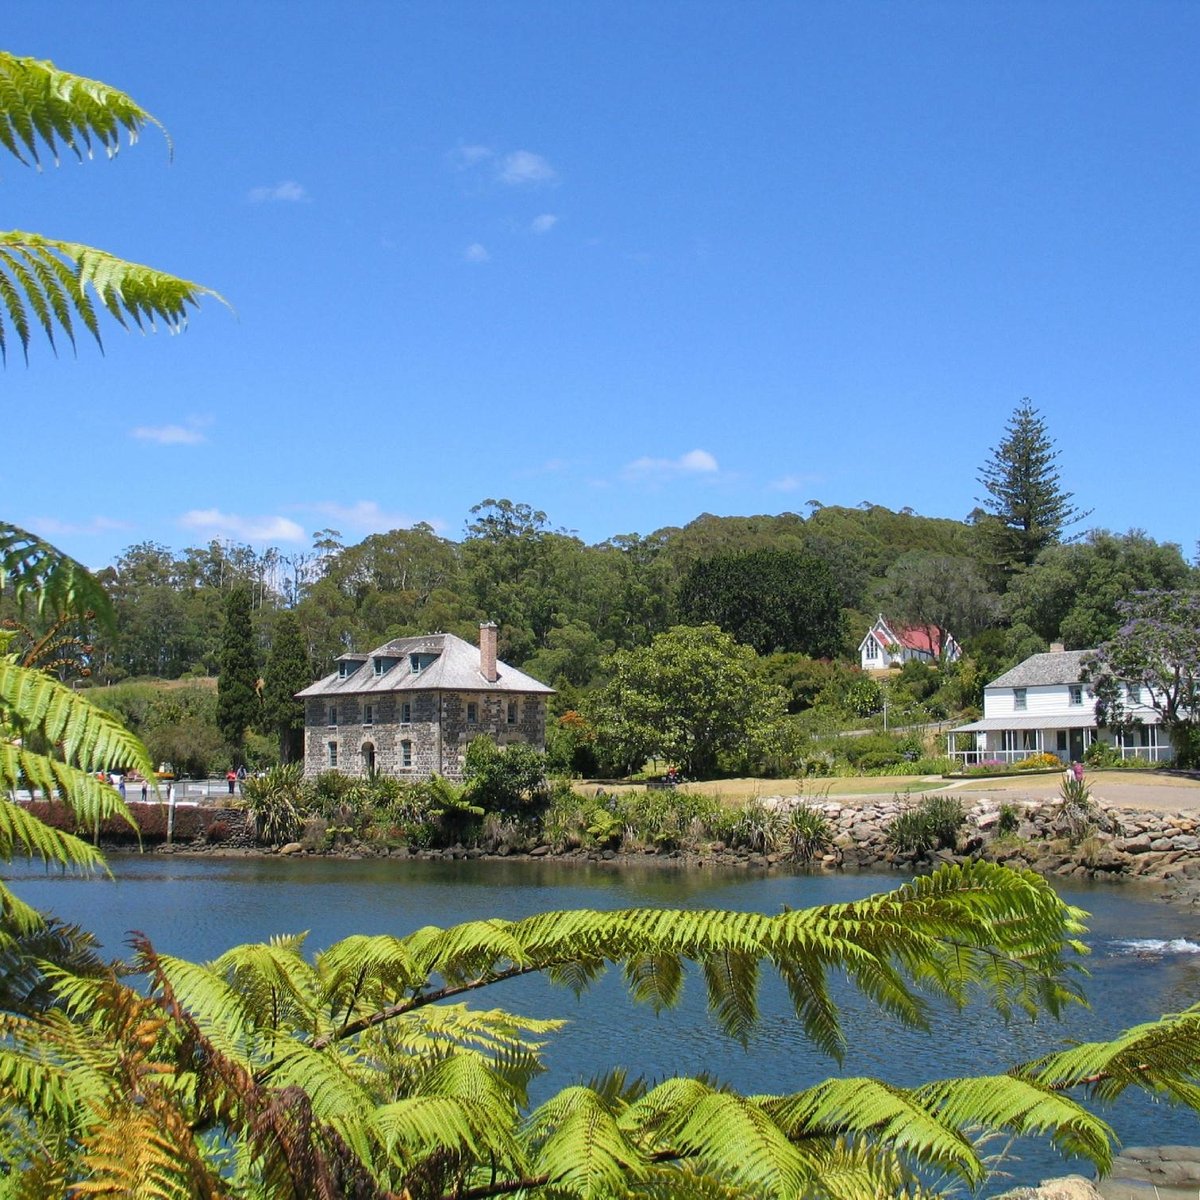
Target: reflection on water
point(1141, 964)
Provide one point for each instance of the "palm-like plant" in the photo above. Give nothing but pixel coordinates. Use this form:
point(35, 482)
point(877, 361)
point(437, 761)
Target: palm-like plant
point(52, 741)
point(362, 1072)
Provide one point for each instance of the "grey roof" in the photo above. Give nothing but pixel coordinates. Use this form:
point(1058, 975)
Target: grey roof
point(1084, 719)
point(455, 669)
point(1058, 666)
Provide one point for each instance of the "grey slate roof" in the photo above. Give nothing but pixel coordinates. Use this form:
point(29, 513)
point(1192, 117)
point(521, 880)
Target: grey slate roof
point(455, 669)
point(1058, 666)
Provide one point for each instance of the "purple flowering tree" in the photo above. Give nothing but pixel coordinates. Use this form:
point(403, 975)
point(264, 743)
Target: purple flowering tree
point(1157, 648)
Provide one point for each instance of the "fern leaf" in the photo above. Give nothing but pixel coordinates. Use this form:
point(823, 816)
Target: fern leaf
point(36, 571)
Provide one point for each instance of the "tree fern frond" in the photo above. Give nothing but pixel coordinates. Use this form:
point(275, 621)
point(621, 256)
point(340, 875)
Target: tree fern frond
point(37, 572)
point(581, 1149)
point(22, 835)
point(42, 106)
point(1159, 1056)
point(90, 738)
point(131, 292)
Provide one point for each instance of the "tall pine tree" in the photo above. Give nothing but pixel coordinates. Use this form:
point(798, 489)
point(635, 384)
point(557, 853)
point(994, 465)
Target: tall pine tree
point(237, 695)
point(287, 672)
point(1027, 508)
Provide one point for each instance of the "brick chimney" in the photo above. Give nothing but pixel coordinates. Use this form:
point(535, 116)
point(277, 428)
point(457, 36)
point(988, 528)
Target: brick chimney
point(487, 651)
point(1057, 647)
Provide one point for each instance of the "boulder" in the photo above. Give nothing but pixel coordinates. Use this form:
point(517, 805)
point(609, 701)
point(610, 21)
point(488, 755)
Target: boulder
point(291, 848)
point(1068, 1187)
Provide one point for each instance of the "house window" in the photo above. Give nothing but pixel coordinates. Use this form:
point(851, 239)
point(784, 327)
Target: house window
point(1019, 697)
point(414, 661)
point(1134, 692)
point(472, 712)
point(406, 713)
point(406, 754)
point(331, 747)
point(379, 666)
point(368, 714)
point(343, 670)
point(512, 712)
point(333, 714)
point(1075, 694)
point(872, 646)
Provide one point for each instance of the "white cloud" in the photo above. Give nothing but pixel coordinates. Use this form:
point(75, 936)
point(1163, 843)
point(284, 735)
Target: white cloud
point(288, 191)
point(792, 483)
point(476, 252)
point(544, 223)
point(694, 462)
point(169, 435)
point(53, 527)
point(463, 157)
point(365, 516)
point(251, 529)
point(523, 166)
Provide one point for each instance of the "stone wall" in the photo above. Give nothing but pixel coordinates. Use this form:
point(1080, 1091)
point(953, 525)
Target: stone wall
point(437, 734)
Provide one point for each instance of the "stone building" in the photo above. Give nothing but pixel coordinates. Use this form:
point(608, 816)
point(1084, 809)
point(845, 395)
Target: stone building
point(412, 706)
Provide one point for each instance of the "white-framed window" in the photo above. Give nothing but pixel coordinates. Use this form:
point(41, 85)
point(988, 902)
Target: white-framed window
point(414, 661)
point(1020, 699)
point(368, 714)
point(872, 646)
point(343, 670)
point(1133, 692)
point(333, 714)
point(1075, 694)
point(472, 713)
point(379, 666)
point(331, 749)
point(512, 712)
point(405, 713)
point(406, 754)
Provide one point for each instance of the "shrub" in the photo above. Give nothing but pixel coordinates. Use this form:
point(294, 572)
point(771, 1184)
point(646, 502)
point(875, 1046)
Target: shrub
point(808, 832)
point(1009, 821)
point(1077, 813)
point(932, 824)
point(217, 833)
point(277, 800)
point(1041, 761)
point(512, 780)
point(758, 828)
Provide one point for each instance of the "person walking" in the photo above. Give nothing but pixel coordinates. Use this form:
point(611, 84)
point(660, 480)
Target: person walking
point(231, 779)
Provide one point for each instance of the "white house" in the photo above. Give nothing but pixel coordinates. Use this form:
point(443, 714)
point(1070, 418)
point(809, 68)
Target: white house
point(1043, 705)
point(887, 645)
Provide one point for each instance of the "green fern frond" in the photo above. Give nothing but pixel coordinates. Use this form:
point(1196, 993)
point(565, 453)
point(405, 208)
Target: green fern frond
point(581, 1149)
point(42, 106)
point(55, 583)
point(89, 738)
point(56, 280)
point(1159, 1056)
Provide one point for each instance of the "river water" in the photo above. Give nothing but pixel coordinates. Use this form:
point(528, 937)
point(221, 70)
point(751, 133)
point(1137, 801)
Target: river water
point(1145, 961)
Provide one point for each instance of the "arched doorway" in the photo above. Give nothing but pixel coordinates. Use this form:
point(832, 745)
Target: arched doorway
point(368, 758)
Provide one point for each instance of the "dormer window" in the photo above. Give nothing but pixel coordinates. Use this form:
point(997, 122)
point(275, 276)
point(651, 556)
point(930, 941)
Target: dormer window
point(414, 661)
point(379, 666)
point(343, 670)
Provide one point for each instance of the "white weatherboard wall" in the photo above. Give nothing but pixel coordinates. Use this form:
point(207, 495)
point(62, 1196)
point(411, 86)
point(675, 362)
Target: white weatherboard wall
point(1046, 700)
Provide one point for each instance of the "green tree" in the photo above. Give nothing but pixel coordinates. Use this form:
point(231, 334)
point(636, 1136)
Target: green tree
point(1071, 593)
point(1157, 650)
point(693, 697)
point(768, 599)
point(287, 671)
point(1026, 506)
point(238, 705)
point(939, 592)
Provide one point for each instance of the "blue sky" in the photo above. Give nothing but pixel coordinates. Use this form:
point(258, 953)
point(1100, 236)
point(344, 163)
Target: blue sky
point(625, 262)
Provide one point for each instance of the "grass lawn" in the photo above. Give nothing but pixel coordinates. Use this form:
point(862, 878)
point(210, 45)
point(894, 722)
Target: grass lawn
point(738, 791)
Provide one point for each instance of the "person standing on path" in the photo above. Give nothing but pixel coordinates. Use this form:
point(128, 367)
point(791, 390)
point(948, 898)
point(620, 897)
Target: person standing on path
point(145, 790)
point(231, 779)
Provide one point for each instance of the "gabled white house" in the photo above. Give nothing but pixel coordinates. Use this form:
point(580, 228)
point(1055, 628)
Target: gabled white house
point(893, 645)
point(1043, 706)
